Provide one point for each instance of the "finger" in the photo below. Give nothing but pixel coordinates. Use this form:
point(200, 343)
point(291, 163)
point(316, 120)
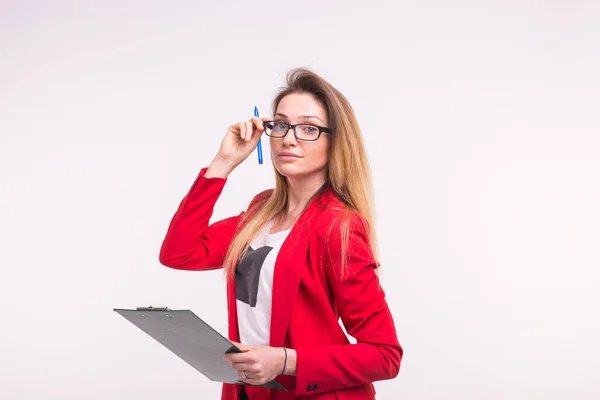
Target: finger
point(235, 129)
point(258, 123)
point(246, 366)
point(233, 364)
point(242, 128)
point(248, 130)
point(246, 376)
point(234, 358)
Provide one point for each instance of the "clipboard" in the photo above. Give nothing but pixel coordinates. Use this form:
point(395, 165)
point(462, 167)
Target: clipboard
point(192, 340)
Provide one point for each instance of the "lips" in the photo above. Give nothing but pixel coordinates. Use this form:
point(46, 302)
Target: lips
point(285, 154)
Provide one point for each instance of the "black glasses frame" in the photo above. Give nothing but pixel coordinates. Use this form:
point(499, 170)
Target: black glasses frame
point(293, 128)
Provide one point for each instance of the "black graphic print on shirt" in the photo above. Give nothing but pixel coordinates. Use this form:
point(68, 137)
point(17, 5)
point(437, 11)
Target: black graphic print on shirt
point(247, 275)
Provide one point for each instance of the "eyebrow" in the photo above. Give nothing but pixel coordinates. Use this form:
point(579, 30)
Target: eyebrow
point(301, 116)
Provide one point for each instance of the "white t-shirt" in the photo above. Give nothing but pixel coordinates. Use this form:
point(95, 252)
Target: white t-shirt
point(254, 286)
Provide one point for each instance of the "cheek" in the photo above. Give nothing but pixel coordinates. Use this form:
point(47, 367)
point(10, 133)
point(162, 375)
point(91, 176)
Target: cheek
point(319, 155)
point(274, 145)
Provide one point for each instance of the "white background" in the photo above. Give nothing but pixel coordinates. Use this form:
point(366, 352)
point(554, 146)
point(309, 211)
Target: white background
point(481, 120)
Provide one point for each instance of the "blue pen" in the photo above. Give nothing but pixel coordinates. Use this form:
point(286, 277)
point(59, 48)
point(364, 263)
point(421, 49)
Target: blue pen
point(258, 145)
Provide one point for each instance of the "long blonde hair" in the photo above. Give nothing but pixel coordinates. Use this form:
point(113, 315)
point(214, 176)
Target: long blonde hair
point(348, 172)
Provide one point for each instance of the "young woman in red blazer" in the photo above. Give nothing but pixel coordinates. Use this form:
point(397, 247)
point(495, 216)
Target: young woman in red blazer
point(284, 312)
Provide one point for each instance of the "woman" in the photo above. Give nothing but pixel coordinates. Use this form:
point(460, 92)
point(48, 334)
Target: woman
point(300, 257)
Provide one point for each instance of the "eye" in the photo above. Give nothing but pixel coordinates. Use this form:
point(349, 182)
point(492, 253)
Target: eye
point(280, 126)
point(310, 130)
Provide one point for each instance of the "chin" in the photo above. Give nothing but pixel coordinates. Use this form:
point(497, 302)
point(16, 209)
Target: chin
point(290, 171)
point(296, 171)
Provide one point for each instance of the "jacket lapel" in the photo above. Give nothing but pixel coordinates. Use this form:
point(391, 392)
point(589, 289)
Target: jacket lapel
point(233, 330)
point(288, 270)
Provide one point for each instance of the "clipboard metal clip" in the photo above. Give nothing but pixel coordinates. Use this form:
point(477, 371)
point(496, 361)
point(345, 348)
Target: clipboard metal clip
point(151, 308)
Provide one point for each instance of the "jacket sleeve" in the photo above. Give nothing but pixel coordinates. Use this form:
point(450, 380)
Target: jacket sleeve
point(190, 242)
point(361, 303)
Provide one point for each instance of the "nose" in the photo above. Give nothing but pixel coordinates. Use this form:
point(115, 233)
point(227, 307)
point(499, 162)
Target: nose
point(290, 138)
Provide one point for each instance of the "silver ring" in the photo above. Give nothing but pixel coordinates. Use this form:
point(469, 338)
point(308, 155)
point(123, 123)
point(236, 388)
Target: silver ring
point(244, 375)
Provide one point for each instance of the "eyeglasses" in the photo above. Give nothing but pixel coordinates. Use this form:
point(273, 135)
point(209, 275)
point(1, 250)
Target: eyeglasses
point(305, 132)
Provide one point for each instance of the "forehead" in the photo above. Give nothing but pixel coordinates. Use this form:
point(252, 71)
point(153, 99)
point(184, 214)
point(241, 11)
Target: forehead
point(297, 105)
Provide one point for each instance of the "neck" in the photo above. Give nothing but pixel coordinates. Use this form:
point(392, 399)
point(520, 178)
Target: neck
point(301, 190)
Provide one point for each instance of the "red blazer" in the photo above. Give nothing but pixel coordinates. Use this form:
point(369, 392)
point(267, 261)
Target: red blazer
point(309, 296)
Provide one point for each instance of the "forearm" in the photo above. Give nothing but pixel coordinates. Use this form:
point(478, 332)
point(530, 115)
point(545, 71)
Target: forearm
point(336, 367)
point(219, 168)
point(190, 243)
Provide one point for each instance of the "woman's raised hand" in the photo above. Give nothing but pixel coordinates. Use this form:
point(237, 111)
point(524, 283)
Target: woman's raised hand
point(239, 142)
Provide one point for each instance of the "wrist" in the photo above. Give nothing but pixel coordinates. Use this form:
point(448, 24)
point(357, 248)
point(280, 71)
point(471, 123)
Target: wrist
point(283, 363)
point(288, 365)
point(219, 168)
